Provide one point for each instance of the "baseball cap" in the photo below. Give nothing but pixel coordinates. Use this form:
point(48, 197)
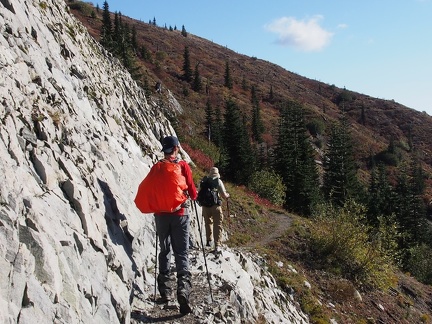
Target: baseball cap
point(168, 143)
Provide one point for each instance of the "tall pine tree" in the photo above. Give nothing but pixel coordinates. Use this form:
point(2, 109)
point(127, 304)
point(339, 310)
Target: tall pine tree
point(340, 176)
point(187, 70)
point(106, 32)
point(409, 206)
point(197, 84)
point(294, 161)
point(240, 156)
point(380, 195)
point(228, 80)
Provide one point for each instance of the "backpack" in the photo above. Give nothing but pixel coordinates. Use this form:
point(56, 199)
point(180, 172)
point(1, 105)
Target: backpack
point(162, 190)
point(208, 193)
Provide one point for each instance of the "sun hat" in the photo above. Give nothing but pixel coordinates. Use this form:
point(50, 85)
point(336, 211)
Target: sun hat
point(214, 173)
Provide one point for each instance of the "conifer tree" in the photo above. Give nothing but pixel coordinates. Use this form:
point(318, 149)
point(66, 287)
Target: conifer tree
point(240, 157)
point(340, 181)
point(187, 70)
point(117, 35)
point(106, 32)
point(228, 81)
point(134, 41)
point(409, 207)
point(183, 31)
point(126, 53)
point(380, 195)
point(197, 84)
point(294, 161)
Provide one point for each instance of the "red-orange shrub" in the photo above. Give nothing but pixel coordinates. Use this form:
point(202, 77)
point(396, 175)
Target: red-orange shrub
point(198, 157)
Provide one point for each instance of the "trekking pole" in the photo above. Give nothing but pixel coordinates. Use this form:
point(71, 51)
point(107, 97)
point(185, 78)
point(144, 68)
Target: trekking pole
point(229, 215)
point(203, 249)
point(228, 212)
point(156, 263)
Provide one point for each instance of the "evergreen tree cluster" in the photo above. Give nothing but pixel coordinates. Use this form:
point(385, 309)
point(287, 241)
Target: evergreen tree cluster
point(119, 39)
point(294, 161)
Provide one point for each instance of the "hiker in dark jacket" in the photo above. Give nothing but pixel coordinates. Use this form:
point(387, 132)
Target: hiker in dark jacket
point(213, 216)
point(173, 231)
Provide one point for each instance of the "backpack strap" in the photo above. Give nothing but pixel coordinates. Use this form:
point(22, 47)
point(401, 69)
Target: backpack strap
point(214, 184)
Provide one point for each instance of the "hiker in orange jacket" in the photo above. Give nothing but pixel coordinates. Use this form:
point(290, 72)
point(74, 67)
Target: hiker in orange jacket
point(173, 232)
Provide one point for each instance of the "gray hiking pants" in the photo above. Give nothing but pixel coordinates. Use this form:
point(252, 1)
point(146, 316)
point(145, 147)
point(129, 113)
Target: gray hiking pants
point(173, 232)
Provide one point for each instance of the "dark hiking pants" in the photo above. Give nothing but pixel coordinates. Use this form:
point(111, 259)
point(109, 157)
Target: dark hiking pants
point(173, 232)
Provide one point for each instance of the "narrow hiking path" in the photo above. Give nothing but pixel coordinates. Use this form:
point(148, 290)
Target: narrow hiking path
point(278, 225)
point(274, 227)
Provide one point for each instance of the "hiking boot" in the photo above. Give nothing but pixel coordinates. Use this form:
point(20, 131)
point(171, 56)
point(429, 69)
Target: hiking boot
point(208, 243)
point(217, 250)
point(162, 300)
point(184, 305)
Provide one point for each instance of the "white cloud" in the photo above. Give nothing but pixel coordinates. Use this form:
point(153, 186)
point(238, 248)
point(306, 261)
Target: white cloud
point(305, 35)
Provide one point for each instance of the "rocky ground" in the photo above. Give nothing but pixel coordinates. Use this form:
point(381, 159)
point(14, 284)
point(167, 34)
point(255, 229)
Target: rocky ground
point(209, 302)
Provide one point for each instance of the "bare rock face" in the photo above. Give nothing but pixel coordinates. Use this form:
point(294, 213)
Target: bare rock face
point(77, 135)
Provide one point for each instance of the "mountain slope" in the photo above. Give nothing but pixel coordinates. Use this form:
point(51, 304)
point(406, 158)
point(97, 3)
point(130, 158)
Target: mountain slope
point(374, 122)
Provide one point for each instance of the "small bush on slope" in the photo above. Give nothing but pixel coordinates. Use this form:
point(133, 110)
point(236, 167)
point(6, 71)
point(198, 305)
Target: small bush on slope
point(268, 185)
point(340, 243)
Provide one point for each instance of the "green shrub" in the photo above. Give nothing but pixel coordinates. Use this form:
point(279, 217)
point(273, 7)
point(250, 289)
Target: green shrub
point(340, 243)
point(161, 56)
point(420, 263)
point(388, 235)
point(84, 8)
point(268, 185)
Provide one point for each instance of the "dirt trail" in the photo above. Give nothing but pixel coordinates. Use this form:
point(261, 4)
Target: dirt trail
point(277, 226)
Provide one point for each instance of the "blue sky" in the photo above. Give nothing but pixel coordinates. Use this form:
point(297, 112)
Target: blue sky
point(381, 48)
